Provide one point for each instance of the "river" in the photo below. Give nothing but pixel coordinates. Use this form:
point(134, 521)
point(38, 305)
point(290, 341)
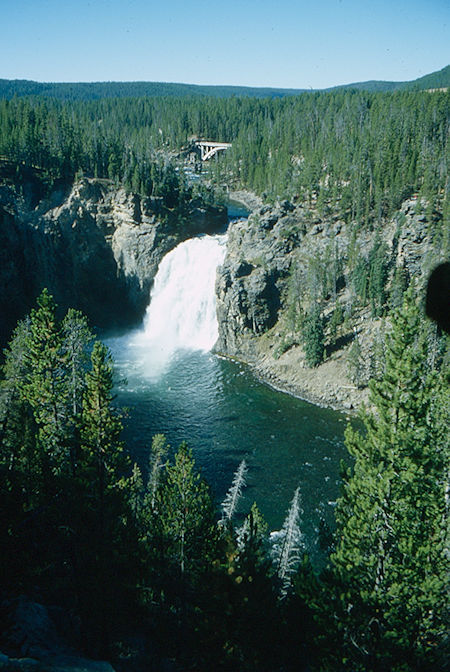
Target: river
point(176, 386)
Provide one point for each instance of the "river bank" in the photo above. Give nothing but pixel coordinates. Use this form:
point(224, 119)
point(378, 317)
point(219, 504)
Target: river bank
point(288, 258)
point(326, 385)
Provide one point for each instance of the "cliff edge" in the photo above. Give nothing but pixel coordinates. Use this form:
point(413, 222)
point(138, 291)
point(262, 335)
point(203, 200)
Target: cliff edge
point(287, 263)
point(95, 247)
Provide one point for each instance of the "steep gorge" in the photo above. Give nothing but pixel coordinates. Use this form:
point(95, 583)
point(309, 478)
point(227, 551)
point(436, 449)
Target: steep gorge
point(286, 259)
point(95, 247)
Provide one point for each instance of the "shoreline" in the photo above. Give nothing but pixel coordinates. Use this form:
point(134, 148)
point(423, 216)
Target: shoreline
point(326, 386)
point(284, 387)
point(315, 386)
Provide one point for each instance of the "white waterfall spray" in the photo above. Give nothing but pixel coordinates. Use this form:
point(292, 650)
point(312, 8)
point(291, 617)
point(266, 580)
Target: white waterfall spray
point(182, 309)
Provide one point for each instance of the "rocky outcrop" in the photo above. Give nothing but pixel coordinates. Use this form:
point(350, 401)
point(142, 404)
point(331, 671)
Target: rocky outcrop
point(94, 246)
point(250, 281)
point(279, 256)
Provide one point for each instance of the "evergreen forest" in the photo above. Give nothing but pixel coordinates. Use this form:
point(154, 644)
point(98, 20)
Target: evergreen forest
point(152, 571)
point(127, 551)
point(350, 152)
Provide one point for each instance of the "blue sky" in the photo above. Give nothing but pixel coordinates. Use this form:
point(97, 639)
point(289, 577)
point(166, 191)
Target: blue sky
point(279, 43)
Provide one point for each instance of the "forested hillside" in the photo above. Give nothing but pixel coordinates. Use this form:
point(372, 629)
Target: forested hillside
point(96, 90)
point(372, 166)
point(355, 153)
point(435, 80)
point(354, 214)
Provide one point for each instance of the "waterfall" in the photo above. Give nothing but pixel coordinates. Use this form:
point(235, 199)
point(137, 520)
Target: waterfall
point(182, 309)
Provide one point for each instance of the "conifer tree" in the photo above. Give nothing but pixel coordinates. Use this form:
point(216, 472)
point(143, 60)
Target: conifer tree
point(76, 339)
point(234, 493)
point(45, 387)
point(157, 454)
point(102, 449)
point(313, 337)
point(12, 404)
point(389, 562)
point(286, 552)
point(136, 492)
point(253, 531)
point(104, 514)
point(187, 514)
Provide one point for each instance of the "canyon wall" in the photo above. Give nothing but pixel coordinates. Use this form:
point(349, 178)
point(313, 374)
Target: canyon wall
point(93, 245)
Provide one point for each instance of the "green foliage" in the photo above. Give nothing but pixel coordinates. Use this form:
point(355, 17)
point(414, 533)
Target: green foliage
point(95, 90)
point(360, 280)
point(126, 552)
point(158, 453)
point(390, 565)
point(187, 514)
point(77, 338)
point(377, 277)
point(313, 337)
point(63, 482)
point(355, 364)
point(369, 277)
point(398, 287)
point(337, 318)
point(357, 153)
point(44, 388)
point(101, 448)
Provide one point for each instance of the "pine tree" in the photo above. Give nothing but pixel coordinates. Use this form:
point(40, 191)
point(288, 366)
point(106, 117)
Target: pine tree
point(377, 276)
point(158, 452)
point(286, 551)
point(102, 451)
point(45, 387)
point(12, 404)
point(136, 492)
point(252, 533)
point(336, 320)
point(234, 493)
point(76, 339)
point(398, 287)
point(355, 363)
point(389, 562)
point(313, 337)
point(103, 516)
point(187, 514)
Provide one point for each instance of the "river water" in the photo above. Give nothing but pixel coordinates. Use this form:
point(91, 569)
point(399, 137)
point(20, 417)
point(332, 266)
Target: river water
point(175, 386)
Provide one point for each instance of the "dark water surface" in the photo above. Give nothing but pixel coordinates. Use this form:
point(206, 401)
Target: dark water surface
point(226, 415)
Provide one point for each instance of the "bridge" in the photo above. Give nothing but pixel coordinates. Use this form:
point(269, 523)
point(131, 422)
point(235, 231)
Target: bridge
point(209, 148)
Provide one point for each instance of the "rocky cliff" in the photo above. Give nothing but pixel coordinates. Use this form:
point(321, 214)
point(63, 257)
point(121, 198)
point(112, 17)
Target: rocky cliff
point(97, 248)
point(93, 245)
point(285, 259)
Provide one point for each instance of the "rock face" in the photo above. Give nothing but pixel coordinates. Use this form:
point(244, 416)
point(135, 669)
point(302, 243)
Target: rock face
point(250, 280)
point(95, 247)
point(285, 249)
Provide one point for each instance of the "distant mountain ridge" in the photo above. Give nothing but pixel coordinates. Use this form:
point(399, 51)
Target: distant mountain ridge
point(435, 80)
point(97, 90)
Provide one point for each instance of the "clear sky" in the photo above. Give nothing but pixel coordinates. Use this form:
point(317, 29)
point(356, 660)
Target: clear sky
point(277, 43)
